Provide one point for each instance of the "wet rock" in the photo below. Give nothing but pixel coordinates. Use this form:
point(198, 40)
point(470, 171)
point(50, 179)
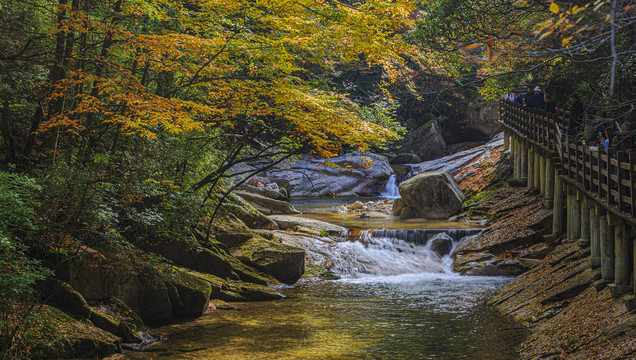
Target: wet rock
point(283, 262)
point(373, 215)
point(433, 195)
point(357, 206)
point(441, 244)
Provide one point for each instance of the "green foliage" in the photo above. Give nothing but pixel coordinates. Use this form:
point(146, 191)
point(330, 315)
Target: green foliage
point(18, 194)
point(18, 271)
point(18, 274)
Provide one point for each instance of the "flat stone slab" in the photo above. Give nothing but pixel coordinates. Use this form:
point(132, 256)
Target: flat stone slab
point(287, 222)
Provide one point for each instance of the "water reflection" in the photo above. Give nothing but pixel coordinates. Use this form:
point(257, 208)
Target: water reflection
point(324, 209)
point(410, 316)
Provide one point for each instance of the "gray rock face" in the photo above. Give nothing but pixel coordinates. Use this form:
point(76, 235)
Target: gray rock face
point(433, 195)
point(455, 162)
point(426, 141)
point(356, 173)
point(441, 244)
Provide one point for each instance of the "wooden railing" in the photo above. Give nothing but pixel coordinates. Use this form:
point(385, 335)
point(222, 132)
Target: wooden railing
point(610, 179)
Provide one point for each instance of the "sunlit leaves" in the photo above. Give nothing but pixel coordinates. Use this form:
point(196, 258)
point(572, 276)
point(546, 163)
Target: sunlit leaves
point(179, 67)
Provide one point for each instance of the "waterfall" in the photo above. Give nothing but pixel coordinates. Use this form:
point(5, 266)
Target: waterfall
point(422, 236)
point(390, 252)
point(391, 189)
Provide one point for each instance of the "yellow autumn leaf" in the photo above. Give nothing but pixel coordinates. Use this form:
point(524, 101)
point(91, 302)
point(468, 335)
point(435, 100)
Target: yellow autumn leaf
point(554, 8)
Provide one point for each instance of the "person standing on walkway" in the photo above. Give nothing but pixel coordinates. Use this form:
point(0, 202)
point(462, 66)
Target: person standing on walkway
point(549, 104)
point(527, 99)
point(576, 117)
point(537, 98)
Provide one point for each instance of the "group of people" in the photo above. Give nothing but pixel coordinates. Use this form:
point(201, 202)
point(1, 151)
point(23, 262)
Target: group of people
point(534, 98)
point(580, 128)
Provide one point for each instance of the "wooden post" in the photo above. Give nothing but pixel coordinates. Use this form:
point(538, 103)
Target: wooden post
point(595, 236)
point(549, 182)
point(586, 203)
point(524, 160)
point(568, 212)
point(621, 270)
point(537, 169)
point(575, 218)
point(516, 156)
point(607, 247)
point(530, 173)
point(542, 182)
point(557, 212)
point(506, 140)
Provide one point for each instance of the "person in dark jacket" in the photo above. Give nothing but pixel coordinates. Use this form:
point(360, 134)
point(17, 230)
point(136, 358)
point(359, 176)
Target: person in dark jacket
point(527, 99)
point(576, 117)
point(537, 99)
point(549, 104)
point(624, 141)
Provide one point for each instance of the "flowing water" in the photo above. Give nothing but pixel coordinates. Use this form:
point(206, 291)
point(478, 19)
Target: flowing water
point(391, 190)
point(395, 300)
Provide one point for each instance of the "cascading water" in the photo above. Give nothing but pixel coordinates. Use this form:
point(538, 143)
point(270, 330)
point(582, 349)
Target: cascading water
point(388, 253)
point(391, 190)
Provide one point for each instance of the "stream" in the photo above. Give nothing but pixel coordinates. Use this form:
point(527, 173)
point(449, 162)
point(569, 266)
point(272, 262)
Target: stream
point(396, 299)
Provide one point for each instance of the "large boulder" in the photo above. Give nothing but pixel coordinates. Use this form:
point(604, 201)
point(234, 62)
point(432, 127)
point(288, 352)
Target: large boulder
point(433, 195)
point(98, 277)
point(283, 262)
point(189, 294)
point(354, 174)
point(426, 142)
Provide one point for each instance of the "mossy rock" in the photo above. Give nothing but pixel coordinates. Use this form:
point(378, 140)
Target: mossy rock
point(191, 294)
point(235, 290)
point(62, 295)
point(94, 276)
point(285, 263)
point(55, 335)
point(189, 253)
point(248, 214)
point(231, 231)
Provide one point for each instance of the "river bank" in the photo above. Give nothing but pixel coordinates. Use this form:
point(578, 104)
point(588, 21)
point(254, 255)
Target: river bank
point(555, 292)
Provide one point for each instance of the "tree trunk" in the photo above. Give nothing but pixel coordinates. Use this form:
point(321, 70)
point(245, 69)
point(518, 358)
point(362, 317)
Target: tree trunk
point(9, 141)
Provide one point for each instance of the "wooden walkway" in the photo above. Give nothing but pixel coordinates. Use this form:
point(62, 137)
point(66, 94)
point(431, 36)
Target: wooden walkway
point(591, 191)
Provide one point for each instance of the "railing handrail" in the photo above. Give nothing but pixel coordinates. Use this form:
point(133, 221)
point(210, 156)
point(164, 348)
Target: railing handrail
point(607, 177)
